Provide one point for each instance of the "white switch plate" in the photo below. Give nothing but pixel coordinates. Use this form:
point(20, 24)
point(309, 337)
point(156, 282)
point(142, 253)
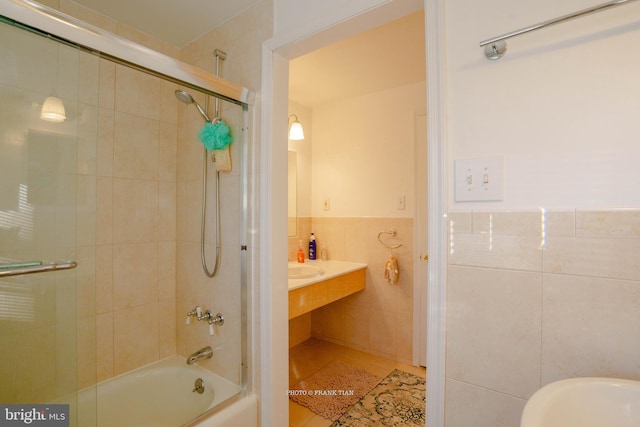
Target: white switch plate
point(326, 204)
point(400, 205)
point(478, 180)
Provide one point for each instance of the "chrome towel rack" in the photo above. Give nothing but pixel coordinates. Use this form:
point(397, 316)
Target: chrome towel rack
point(392, 232)
point(496, 47)
point(31, 267)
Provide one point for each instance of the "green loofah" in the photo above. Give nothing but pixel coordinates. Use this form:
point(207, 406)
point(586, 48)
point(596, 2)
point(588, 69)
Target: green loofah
point(215, 136)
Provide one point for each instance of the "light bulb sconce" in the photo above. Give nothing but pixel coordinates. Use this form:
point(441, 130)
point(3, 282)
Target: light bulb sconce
point(53, 110)
point(295, 128)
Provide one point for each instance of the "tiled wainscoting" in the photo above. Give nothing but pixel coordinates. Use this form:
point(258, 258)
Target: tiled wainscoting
point(534, 297)
point(379, 319)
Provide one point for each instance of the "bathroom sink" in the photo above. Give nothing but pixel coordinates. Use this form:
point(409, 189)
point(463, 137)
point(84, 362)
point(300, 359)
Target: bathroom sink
point(304, 271)
point(584, 402)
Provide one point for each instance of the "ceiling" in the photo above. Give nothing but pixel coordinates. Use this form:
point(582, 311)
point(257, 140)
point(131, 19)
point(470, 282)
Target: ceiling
point(388, 56)
point(177, 22)
point(382, 58)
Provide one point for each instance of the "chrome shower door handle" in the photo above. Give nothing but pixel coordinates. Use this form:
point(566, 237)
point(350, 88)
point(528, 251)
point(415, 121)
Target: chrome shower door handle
point(31, 267)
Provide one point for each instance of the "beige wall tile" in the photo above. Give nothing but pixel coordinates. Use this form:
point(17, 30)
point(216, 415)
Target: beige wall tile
point(192, 285)
point(127, 129)
point(168, 102)
point(467, 405)
point(104, 210)
point(587, 309)
point(333, 231)
point(88, 79)
point(189, 211)
point(86, 282)
point(624, 223)
point(106, 123)
point(135, 274)
point(87, 353)
point(356, 239)
point(328, 322)
point(357, 332)
point(135, 147)
point(139, 37)
point(167, 270)
point(560, 223)
point(135, 337)
point(593, 256)
point(166, 328)
point(509, 223)
point(404, 350)
point(87, 140)
point(137, 93)
point(167, 211)
point(190, 149)
point(107, 90)
point(496, 251)
point(135, 211)
point(494, 328)
point(167, 152)
point(383, 333)
point(86, 210)
point(104, 346)
point(299, 329)
point(104, 279)
point(590, 328)
point(460, 222)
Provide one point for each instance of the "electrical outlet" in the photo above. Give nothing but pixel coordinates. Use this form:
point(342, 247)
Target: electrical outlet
point(478, 180)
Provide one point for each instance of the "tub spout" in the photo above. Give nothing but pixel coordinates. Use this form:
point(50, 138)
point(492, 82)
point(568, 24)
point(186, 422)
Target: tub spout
point(203, 353)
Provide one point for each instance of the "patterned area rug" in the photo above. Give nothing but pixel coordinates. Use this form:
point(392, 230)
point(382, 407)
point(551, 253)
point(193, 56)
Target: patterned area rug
point(332, 390)
point(399, 400)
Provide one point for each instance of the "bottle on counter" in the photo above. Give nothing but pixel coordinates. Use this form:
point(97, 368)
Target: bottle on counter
point(312, 247)
point(300, 252)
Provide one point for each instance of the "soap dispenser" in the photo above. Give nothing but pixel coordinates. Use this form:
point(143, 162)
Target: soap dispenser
point(312, 247)
point(300, 252)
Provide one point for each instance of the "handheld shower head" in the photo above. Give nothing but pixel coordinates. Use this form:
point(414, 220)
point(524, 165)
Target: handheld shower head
point(186, 97)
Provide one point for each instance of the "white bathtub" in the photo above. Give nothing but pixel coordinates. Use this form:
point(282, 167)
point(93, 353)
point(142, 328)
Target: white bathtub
point(161, 395)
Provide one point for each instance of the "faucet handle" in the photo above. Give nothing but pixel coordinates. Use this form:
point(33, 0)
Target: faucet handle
point(218, 318)
point(196, 312)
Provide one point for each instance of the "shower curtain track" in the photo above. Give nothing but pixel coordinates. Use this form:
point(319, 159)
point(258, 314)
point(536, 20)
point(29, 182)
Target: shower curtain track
point(65, 29)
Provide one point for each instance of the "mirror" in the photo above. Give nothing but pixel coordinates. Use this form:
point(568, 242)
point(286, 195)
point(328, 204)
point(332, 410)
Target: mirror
point(292, 217)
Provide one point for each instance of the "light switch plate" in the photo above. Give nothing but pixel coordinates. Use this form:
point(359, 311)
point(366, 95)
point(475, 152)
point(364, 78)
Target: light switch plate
point(479, 180)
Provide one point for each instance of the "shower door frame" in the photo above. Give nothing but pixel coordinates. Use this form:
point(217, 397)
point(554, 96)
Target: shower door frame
point(62, 28)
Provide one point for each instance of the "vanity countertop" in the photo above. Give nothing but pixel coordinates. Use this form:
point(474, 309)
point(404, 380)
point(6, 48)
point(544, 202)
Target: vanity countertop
point(331, 268)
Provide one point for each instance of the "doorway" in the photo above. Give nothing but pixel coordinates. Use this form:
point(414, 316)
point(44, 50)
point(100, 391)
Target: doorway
point(363, 111)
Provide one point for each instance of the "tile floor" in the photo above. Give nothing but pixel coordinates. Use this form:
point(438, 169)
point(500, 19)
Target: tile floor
point(309, 357)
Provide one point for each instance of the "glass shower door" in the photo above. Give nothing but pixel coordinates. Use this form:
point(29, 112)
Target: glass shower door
point(47, 206)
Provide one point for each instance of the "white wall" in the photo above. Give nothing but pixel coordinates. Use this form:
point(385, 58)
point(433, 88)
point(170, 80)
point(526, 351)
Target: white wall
point(561, 106)
point(561, 109)
point(304, 165)
point(363, 154)
point(292, 15)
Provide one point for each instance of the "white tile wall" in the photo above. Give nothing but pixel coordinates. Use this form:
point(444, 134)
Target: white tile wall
point(535, 297)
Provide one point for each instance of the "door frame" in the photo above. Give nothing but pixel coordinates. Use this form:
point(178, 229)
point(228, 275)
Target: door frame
point(272, 330)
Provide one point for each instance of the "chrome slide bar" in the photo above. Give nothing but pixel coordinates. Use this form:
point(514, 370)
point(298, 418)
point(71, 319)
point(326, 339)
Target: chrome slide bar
point(30, 267)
